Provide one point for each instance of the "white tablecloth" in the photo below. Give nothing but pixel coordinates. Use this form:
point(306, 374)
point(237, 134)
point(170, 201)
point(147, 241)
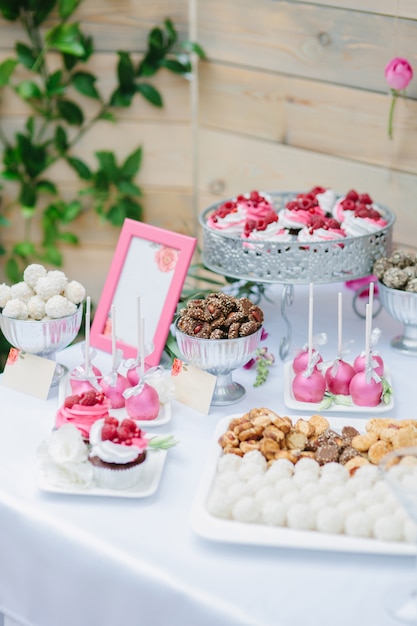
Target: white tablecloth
point(82, 561)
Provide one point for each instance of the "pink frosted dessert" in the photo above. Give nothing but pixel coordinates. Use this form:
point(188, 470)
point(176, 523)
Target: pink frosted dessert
point(364, 393)
point(229, 218)
point(358, 214)
point(143, 402)
point(82, 410)
point(338, 377)
point(377, 363)
point(298, 212)
point(78, 383)
point(309, 387)
point(320, 228)
point(114, 392)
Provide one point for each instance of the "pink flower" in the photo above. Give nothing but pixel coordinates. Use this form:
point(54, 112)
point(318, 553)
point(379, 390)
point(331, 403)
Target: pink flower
point(398, 75)
point(166, 259)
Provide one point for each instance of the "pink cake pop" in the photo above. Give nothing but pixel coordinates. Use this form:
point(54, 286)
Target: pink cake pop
point(300, 361)
point(114, 384)
point(366, 387)
point(340, 373)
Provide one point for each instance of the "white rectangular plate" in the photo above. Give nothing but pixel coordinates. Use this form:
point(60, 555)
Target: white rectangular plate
point(163, 417)
point(147, 485)
point(314, 407)
point(230, 531)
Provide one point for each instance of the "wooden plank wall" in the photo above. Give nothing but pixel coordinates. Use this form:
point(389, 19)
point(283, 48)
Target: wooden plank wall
point(292, 95)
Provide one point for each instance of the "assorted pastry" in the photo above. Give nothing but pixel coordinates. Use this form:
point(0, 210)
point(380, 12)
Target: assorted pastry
point(398, 271)
point(309, 476)
point(317, 215)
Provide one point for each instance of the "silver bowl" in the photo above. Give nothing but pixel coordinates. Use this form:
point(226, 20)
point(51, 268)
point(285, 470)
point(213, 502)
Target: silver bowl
point(402, 306)
point(220, 357)
point(43, 338)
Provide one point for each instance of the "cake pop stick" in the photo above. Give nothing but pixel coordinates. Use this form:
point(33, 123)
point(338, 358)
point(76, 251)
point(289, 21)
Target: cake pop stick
point(368, 324)
point(142, 346)
point(87, 336)
point(113, 337)
point(310, 325)
point(339, 323)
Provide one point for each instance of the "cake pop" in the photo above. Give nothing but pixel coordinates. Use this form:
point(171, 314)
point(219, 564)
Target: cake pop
point(366, 387)
point(114, 384)
point(340, 373)
point(374, 335)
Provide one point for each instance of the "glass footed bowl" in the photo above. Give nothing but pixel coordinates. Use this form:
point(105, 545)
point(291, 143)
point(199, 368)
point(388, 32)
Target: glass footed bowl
point(43, 338)
point(402, 306)
point(220, 357)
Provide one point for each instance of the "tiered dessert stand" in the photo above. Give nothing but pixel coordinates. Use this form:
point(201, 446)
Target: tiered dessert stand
point(292, 263)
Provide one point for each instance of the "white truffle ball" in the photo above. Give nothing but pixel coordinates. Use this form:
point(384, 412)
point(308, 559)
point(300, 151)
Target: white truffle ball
point(254, 484)
point(291, 498)
point(255, 457)
point(307, 465)
point(16, 309)
point(228, 462)
point(283, 486)
point(302, 478)
point(36, 308)
point(248, 470)
point(236, 491)
point(5, 294)
point(281, 468)
point(58, 306)
point(75, 292)
point(264, 494)
point(318, 502)
point(347, 505)
point(330, 520)
point(309, 491)
point(32, 273)
point(301, 517)
point(388, 528)
point(245, 510)
point(50, 285)
point(376, 510)
point(22, 291)
point(224, 480)
point(273, 513)
point(358, 524)
point(218, 504)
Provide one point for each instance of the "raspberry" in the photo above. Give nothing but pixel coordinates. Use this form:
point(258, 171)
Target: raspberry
point(111, 420)
point(348, 205)
point(352, 195)
point(124, 433)
point(108, 432)
point(70, 401)
point(88, 398)
point(129, 424)
point(316, 221)
point(332, 223)
point(365, 198)
point(317, 190)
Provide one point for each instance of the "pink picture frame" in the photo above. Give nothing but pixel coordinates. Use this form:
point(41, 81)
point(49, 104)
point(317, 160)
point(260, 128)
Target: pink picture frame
point(149, 267)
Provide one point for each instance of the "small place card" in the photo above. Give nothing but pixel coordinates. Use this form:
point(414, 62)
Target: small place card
point(193, 387)
point(28, 373)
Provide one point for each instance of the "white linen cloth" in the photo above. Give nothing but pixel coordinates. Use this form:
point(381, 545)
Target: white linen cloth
point(85, 561)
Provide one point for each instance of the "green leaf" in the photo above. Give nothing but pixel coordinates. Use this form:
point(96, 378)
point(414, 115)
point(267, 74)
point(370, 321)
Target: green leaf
point(131, 208)
point(27, 89)
point(132, 164)
point(40, 9)
point(10, 175)
point(68, 238)
point(125, 69)
point(67, 8)
point(80, 167)
point(150, 94)
point(147, 67)
point(54, 87)
point(71, 211)
point(175, 66)
point(6, 70)
point(10, 9)
point(60, 139)
point(191, 46)
point(156, 39)
point(52, 255)
point(71, 112)
point(108, 164)
point(24, 248)
point(26, 55)
point(341, 399)
point(27, 195)
point(171, 32)
point(84, 83)
point(66, 38)
point(122, 97)
point(116, 215)
point(128, 188)
point(46, 186)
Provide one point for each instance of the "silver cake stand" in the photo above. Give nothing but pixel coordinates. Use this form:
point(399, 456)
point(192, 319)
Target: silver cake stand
point(292, 263)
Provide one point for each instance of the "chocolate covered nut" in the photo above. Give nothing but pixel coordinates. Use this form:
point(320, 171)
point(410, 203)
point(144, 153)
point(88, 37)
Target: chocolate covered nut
point(347, 454)
point(248, 328)
point(327, 453)
point(395, 277)
point(234, 330)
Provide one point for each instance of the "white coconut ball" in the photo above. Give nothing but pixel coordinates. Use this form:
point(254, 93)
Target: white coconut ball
point(36, 308)
point(265, 494)
point(236, 491)
point(255, 457)
point(16, 309)
point(283, 486)
point(22, 291)
point(249, 470)
point(301, 517)
point(245, 510)
point(229, 462)
point(75, 292)
point(223, 481)
point(53, 284)
point(273, 513)
point(307, 465)
point(388, 528)
point(218, 504)
point(330, 520)
point(5, 294)
point(281, 468)
point(309, 491)
point(58, 306)
point(32, 273)
point(358, 524)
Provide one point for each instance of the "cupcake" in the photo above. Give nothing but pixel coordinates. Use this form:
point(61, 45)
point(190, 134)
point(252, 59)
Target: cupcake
point(83, 410)
point(118, 452)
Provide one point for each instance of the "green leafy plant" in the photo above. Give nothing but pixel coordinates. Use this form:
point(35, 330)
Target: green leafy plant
point(57, 122)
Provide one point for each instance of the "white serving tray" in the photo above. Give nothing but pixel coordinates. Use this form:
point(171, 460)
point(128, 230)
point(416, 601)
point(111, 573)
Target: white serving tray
point(230, 531)
point(314, 407)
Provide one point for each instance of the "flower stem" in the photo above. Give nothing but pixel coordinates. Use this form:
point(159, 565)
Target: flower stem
point(391, 113)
